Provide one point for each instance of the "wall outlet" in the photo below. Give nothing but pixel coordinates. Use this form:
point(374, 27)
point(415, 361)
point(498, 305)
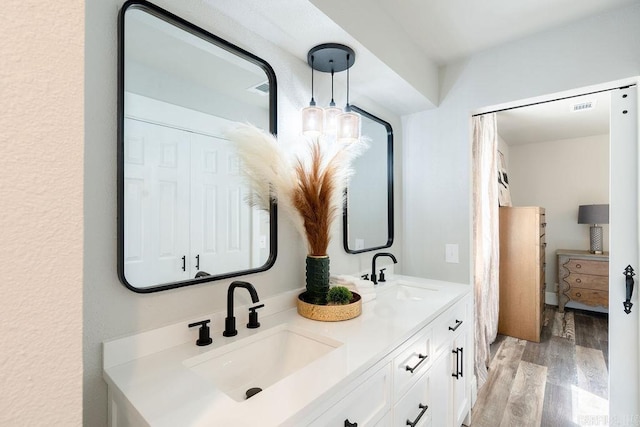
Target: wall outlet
point(359, 244)
point(451, 253)
point(263, 242)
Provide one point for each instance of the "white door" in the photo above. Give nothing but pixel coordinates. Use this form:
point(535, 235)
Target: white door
point(220, 237)
point(156, 191)
point(624, 357)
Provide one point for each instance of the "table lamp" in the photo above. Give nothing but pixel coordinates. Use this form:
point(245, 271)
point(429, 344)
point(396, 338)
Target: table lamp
point(594, 215)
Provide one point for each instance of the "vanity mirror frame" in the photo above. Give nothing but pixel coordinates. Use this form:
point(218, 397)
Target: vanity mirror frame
point(196, 31)
point(390, 206)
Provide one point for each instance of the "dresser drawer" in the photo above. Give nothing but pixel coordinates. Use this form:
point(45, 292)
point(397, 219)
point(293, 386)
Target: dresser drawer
point(412, 361)
point(365, 405)
point(600, 283)
point(582, 266)
point(589, 296)
point(415, 405)
point(451, 323)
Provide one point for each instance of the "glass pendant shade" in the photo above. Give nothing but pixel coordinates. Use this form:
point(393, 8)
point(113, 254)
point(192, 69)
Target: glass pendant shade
point(348, 127)
point(312, 120)
point(331, 115)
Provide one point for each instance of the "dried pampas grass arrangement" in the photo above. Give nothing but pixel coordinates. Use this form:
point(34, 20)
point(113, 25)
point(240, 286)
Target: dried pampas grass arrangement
point(308, 186)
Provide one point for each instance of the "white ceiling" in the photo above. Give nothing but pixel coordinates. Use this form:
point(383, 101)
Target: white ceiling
point(400, 44)
point(553, 121)
point(450, 29)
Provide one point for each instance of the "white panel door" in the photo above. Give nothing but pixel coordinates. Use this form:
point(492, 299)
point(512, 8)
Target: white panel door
point(624, 358)
point(156, 191)
point(220, 238)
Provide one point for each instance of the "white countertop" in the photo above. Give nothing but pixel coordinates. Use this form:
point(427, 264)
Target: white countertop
point(165, 392)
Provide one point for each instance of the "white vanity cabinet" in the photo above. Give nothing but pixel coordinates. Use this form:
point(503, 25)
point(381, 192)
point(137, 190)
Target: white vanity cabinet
point(404, 362)
point(452, 369)
point(430, 384)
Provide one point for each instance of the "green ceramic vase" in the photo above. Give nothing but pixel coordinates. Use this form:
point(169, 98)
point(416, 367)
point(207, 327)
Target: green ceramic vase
point(317, 275)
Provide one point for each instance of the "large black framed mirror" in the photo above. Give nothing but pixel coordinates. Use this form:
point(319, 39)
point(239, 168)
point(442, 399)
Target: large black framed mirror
point(368, 211)
point(182, 215)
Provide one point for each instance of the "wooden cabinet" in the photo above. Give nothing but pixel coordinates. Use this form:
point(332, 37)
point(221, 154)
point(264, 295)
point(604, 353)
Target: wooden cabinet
point(583, 277)
point(522, 272)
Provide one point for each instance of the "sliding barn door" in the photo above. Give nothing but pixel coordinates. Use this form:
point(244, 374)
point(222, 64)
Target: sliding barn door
point(624, 357)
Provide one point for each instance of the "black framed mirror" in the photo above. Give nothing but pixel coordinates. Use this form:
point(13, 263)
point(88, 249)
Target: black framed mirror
point(368, 212)
point(182, 215)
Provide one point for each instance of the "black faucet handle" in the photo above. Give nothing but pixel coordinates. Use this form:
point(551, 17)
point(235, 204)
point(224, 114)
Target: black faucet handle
point(253, 317)
point(365, 276)
point(204, 333)
point(381, 277)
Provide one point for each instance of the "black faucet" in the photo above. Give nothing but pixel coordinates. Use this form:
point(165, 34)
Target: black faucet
point(230, 321)
point(373, 264)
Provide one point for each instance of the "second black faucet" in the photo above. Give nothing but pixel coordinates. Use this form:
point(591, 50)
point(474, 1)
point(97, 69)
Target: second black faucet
point(373, 264)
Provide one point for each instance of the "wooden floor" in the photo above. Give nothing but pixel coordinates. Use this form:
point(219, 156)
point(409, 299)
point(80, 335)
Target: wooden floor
point(561, 381)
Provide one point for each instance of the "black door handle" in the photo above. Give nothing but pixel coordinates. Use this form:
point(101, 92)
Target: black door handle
point(628, 272)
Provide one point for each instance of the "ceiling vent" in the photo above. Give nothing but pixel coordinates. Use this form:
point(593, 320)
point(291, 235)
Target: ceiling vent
point(262, 88)
point(583, 106)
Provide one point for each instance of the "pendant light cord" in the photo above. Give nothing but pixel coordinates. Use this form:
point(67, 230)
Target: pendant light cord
point(348, 108)
point(332, 103)
point(313, 101)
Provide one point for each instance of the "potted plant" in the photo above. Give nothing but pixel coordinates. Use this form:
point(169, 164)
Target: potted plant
point(308, 187)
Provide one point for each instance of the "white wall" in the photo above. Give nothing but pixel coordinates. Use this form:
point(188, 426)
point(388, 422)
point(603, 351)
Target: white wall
point(559, 176)
point(437, 142)
point(41, 216)
point(111, 310)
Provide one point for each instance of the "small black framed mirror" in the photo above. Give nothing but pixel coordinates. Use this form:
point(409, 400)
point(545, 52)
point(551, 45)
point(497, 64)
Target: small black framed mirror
point(182, 215)
point(368, 212)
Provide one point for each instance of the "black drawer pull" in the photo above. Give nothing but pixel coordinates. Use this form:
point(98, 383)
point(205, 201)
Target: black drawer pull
point(415, 422)
point(578, 280)
point(458, 323)
point(578, 265)
point(422, 358)
point(348, 424)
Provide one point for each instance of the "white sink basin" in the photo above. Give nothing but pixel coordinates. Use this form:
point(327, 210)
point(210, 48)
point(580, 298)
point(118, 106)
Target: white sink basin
point(260, 360)
point(406, 291)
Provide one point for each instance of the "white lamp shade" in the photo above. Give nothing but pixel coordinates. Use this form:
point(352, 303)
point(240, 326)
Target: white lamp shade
point(312, 120)
point(348, 127)
point(331, 120)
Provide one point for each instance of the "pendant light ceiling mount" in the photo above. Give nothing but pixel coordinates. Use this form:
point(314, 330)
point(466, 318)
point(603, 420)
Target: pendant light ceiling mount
point(330, 57)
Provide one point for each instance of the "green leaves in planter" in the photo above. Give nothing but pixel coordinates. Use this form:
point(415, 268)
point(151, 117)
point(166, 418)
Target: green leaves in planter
point(339, 295)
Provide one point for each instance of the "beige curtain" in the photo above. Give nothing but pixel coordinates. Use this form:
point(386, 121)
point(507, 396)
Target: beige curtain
point(485, 239)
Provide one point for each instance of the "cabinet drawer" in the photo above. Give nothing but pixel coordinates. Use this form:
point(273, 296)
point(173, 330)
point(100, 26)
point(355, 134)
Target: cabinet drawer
point(582, 266)
point(600, 283)
point(414, 405)
point(450, 324)
point(365, 405)
point(589, 297)
point(412, 361)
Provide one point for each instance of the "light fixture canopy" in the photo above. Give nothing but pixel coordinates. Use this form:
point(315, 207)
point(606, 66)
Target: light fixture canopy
point(332, 58)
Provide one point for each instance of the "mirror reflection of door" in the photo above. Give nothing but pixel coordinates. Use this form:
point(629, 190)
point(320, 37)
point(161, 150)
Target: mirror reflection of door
point(184, 216)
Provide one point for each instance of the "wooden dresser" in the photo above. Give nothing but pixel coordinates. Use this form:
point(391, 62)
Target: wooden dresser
point(522, 272)
point(583, 277)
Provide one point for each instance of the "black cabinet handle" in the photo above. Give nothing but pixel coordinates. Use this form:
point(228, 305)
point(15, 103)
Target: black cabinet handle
point(422, 358)
point(456, 375)
point(458, 323)
point(459, 352)
point(198, 262)
point(415, 422)
point(184, 263)
point(348, 424)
